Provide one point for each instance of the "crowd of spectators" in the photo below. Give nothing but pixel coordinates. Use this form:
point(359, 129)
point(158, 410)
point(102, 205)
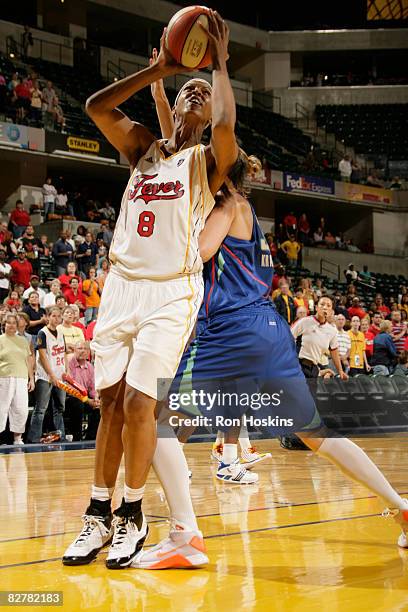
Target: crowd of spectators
point(49, 310)
point(351, 172)
point(293, 233)
point(372, 336)
point(348, 79)
point(43, 310)
point(28, 100)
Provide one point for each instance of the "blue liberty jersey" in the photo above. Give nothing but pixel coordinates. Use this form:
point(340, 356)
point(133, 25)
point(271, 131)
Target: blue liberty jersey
point(238, 275)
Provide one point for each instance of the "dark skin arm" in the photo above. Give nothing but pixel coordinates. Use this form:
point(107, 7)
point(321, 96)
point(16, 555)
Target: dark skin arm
point(130, 138)
point(223, 150)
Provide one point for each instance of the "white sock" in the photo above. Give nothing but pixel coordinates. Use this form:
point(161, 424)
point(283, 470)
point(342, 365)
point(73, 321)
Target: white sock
point(220, 438)
point(171, 468)
point(355, 464)
point(101, 493)
point(244, 438)
point(229, 453)
point(132, 495)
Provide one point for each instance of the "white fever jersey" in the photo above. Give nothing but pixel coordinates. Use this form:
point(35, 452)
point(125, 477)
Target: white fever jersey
point(163, 211)
point(55, 349)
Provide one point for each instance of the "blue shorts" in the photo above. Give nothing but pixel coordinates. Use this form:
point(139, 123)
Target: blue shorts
point(236, 359)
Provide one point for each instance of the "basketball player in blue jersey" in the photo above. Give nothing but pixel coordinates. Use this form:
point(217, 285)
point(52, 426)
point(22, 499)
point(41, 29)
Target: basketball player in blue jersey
point(150, 302)
point(245, 339)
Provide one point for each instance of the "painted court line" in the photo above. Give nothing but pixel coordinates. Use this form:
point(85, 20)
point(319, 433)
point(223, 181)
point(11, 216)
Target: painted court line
point(223, 535)
point(278, 506)
point(51, 535)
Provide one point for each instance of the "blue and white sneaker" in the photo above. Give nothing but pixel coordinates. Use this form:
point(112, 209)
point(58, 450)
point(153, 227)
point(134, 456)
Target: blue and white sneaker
point(234, 473)
point(250, 456)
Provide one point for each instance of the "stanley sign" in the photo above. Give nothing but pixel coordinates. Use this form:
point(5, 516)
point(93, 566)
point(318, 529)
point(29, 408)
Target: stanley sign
point(83, 144)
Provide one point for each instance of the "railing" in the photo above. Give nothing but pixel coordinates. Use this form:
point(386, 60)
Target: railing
point(329, 267)
point(15, 48)
point(124, 67)
point(302, 112)
point(267, 101)
point(114, 71)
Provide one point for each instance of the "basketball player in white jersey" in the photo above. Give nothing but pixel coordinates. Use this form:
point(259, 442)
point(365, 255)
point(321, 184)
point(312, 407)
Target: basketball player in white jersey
point(51, 365)
point(154, 290)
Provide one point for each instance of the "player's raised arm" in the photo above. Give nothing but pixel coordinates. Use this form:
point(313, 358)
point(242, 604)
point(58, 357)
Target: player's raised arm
point(163, 108)
point(224, 148)
point(130, 138)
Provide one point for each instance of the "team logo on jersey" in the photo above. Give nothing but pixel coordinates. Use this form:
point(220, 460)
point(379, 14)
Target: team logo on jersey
point(180, 161)
point(145, 189)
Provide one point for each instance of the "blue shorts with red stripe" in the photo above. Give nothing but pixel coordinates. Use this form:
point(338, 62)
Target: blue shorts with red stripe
point(238, 358)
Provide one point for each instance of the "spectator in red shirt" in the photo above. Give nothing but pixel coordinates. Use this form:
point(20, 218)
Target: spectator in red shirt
point(375, 324)
point(278, 275)
point(22, 269)
point(369, 336)
point(304, 229)
point(290, 222)
point(19, 220)
point(13, 301)
point(74, 294)
point(23, 95)
point(355, 309)
point(65, 279)
point(381, 307)
point(90, 331)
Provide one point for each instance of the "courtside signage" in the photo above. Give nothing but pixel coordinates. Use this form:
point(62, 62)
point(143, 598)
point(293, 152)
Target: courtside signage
point(363, 193)
point(310, 184)
point(14, 135)
point(83, 144)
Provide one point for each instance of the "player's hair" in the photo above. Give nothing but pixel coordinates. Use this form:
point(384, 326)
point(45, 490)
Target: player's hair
point(255, 163)
point(238, 174)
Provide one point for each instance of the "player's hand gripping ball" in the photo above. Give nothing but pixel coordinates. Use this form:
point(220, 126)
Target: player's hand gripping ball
point(186, 40)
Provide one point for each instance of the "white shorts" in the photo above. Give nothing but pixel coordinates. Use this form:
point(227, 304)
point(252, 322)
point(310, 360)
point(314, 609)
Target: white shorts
point(13, 404)
point(142, 329)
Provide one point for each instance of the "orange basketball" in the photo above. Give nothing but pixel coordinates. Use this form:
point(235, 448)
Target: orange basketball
point(185, 40)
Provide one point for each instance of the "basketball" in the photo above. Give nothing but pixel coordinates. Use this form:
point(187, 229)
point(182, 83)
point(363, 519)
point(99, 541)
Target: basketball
point(185, 40)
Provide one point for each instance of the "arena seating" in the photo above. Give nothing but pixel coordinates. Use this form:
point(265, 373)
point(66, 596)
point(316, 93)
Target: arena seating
point(266, 134)
point(387, 284)
point(364, 404)
point(369, 128)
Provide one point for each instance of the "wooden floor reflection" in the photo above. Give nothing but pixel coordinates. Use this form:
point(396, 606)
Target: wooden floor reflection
point(303, 538)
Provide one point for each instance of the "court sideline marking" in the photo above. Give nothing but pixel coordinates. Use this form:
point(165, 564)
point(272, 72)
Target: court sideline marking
point(223, 535)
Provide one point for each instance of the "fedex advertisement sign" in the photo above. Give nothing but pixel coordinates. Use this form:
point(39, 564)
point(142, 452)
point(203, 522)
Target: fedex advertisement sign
point(313, 184)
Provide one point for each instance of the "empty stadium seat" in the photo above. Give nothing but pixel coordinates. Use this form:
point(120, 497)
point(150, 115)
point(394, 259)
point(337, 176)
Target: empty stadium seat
point(369, 128)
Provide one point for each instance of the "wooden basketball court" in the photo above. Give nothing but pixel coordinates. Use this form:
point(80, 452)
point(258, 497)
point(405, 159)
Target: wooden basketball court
point(304, 538)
